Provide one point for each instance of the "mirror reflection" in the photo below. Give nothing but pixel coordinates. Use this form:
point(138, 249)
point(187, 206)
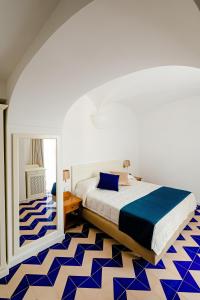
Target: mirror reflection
point(37, 188)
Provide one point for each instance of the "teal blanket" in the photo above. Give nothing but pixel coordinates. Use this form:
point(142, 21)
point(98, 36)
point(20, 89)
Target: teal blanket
point(138, 218)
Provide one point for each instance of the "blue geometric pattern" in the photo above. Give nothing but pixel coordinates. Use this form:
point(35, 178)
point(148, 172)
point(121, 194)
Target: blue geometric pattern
point(36, 221)
point(37, 218)
point(89, 264)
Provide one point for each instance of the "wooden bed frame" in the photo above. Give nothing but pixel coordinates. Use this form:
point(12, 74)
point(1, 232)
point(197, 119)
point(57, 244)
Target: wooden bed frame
point(81, 172)
point(112, 230)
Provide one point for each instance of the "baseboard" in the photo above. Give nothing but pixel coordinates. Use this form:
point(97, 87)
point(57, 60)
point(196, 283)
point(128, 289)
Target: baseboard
point(32, 251)
point(4, 271)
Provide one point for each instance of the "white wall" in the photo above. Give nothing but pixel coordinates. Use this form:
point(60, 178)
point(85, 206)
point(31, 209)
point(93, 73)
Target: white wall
point(170, 145)
point(83, 142)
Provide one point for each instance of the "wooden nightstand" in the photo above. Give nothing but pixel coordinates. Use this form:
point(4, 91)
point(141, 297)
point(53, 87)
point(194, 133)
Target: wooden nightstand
point(138, 178)
point(71, 209)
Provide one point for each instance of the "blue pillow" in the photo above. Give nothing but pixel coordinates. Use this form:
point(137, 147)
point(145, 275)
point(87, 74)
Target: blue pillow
point(108, 182)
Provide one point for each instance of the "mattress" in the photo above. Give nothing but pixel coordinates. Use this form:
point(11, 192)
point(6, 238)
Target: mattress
point(108, 204)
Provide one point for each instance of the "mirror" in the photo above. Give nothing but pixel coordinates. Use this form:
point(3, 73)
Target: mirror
point(37, 202)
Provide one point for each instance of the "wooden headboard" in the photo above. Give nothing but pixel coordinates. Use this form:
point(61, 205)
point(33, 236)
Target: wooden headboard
point(85, 171)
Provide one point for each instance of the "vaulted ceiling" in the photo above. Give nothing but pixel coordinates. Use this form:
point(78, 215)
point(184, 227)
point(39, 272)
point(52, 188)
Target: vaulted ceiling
point(20, 22)
point(103, 41)
point(145, 89)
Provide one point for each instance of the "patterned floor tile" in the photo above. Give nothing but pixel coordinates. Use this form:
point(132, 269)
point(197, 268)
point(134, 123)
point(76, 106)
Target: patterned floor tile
point(88, 264)
point(37, 218)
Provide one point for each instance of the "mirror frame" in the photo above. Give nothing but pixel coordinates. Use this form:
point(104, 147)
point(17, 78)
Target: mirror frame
point(35, 246)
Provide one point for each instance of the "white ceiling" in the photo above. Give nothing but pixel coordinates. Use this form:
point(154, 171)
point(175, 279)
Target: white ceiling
point(20, 22)
point(85, 53)
point(143, 90)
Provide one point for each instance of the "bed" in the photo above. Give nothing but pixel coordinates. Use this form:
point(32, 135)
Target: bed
point(103, 209)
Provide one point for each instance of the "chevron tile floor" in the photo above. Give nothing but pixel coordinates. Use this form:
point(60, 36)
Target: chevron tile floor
point(37, 218)
point(90, 265)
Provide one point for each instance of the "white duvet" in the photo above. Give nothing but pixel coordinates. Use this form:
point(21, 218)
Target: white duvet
point(108, 204)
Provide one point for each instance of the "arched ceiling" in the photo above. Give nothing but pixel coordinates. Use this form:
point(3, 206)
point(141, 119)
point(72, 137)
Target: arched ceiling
point(145, 89)
point(103, 41)
point(18, 28)
point(63, 12)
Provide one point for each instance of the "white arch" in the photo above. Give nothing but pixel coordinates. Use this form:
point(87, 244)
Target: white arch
point(103, 41)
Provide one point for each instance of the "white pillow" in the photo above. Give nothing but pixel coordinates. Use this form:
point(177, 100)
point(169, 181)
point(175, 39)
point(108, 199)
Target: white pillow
point(83, 187)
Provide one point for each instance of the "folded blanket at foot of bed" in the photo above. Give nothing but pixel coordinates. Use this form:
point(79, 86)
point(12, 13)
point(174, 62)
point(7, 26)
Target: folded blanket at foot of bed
point(138, 218)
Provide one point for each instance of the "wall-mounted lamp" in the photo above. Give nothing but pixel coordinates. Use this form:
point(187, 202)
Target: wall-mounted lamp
point(126, 163)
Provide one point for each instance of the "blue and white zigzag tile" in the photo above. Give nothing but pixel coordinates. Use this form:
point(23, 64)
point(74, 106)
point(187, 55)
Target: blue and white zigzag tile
point(89, 264)
point(37, 218)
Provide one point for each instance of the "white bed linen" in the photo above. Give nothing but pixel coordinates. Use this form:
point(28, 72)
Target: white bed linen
point(108, 204)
